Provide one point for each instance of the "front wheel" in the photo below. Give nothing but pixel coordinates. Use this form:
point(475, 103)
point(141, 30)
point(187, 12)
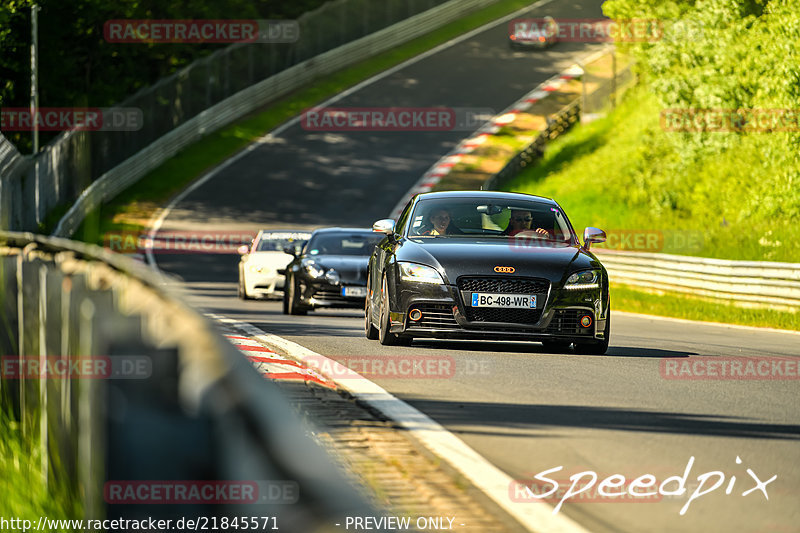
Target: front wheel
point(291, 301)
point(242, 290)
point(385, 336)
point(370, 331)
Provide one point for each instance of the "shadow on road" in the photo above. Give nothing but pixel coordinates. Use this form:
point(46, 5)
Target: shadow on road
point(507, 417)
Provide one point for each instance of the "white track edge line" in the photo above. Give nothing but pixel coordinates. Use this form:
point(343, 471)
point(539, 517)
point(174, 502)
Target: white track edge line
point(535, 517)
point(707, 323)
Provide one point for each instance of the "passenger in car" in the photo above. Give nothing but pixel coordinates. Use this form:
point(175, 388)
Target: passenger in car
point(440, 223)
point(521, 221)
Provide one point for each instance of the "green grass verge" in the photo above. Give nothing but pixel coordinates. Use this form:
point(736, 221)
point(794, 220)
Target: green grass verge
point(623, 172)
point(626, 298)
point(131, 210)
point(23, 491)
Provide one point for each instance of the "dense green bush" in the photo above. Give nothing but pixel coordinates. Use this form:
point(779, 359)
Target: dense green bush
point(742, 189)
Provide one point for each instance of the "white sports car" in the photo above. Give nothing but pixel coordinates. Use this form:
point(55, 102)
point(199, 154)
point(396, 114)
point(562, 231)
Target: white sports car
point(261, 261)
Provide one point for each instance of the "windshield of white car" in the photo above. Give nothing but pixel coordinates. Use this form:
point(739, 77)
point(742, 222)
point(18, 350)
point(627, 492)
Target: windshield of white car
point(276, 242)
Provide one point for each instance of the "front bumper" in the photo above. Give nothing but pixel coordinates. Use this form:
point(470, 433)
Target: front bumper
point(324, 294)
point(263, 284)
point(445, 315)
point(528, 45)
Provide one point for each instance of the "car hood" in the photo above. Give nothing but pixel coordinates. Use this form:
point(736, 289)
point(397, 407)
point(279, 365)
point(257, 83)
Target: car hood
point(458, 256)
point(269, 259)
point(351, 268)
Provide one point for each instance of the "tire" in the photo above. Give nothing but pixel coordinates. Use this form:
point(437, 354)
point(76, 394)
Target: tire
point(241, 291)
point(369, 330)
point(293, 306)
point(556, 346)
point(597, 347)
point(384, 335)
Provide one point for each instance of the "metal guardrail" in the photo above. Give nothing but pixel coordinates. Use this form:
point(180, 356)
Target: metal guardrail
point(93, 167)
point(557, 125)
point(196, 410)
point(752, 283)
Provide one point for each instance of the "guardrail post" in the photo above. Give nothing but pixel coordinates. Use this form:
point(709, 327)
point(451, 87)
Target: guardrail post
point(90, 435)
point(43, 377)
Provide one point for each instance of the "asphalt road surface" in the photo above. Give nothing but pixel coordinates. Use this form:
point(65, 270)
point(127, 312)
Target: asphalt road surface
point(523, 409)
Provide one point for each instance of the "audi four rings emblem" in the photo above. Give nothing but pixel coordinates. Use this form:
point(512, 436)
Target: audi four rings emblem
point(506, 270)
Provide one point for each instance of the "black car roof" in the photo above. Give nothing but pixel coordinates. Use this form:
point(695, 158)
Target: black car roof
point(500, 195)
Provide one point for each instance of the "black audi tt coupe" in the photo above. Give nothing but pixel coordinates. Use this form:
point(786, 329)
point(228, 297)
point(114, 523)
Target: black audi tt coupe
point(487, 265)
point(329, 271)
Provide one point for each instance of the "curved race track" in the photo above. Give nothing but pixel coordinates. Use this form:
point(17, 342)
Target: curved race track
point(523, 409)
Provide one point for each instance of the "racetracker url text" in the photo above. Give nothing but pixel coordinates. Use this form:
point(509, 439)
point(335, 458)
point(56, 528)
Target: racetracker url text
point(198, 523)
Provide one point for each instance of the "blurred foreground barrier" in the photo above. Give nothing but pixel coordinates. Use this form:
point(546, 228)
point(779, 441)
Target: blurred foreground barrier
point(751, 283)
point(128, 394)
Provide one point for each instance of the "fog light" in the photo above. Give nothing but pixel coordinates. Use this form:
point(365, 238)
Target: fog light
point(586, 321)
point(415, 314)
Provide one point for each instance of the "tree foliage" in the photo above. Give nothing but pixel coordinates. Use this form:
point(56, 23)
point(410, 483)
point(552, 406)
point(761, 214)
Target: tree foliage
point(718, 54)
point(77, 67)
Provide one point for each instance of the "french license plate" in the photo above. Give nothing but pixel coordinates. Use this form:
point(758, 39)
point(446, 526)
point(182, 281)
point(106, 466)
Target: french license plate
point(508, 301)
point(354, 291)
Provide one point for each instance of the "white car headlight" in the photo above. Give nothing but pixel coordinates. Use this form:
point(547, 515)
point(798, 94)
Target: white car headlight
point(419, 273)
point(312, 268)
point(332, 277)
point(586, 279)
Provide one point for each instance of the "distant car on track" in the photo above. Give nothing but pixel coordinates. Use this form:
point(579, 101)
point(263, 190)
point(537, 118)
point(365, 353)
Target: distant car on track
point(261, 261)
point(330, 271)
point(487, 265)
point(532, 33)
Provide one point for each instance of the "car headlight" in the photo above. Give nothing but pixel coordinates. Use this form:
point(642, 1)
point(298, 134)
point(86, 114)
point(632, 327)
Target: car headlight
point(419, 273)
point(312, 268)
point(586, 279)
point(332, 277)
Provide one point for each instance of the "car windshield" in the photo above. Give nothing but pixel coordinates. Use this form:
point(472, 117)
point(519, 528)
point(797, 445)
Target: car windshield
point(343, 243)
point(277, 241)
point(494, 218)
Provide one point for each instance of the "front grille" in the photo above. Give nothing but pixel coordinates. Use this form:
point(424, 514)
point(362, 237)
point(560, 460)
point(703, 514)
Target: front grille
point(439, 316)
point(566, 321)
point(509, 316)
point(504, 285)
point(330, 295)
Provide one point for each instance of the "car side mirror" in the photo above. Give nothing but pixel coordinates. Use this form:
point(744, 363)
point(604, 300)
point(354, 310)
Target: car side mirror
point(385, 226)
point(243, 249)
point(591, 235)
point(291, 250)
